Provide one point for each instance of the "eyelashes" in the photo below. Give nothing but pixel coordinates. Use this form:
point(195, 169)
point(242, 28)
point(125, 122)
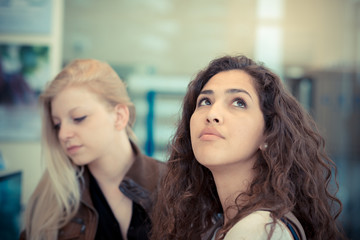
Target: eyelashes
point(203, 102)
point(237, 102)
point(75, 120)
point(80, 119)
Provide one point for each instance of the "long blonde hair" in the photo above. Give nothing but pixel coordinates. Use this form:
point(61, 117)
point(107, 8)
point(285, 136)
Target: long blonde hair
point(56, 198)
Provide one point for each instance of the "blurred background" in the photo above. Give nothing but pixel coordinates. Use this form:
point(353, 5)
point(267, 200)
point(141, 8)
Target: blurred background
point(157, 47)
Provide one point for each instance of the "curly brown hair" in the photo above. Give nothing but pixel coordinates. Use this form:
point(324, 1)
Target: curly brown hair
point(292, 174)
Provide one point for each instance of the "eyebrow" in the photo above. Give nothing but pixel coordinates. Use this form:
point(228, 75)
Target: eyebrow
point(232, 90)
point(70, 111)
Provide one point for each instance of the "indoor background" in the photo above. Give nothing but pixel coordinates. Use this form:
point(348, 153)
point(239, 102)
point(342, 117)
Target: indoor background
point(157, 47)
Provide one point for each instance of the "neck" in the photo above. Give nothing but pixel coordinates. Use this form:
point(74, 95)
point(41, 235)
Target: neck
point(110, 170)
point(230, 182)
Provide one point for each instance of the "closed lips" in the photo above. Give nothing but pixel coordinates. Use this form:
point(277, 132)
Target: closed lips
point(211, 131)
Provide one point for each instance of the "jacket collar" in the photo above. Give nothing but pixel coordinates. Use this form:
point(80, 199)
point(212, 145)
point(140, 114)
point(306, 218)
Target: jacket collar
point(144, 172)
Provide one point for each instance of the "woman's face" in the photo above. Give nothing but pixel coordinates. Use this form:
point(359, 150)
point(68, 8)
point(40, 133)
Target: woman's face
point(227, 125)
point(85, 125)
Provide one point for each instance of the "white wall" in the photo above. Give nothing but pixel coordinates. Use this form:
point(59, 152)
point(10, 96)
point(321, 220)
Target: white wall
point(174, 37)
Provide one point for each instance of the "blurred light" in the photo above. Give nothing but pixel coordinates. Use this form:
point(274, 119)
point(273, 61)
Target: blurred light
point(270, 9)
point(269, 47)
point(269, 34)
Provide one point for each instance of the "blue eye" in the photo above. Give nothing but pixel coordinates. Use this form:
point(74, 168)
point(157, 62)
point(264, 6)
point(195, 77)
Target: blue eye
point(80, 119)
point(238, 102)
point(204, 102)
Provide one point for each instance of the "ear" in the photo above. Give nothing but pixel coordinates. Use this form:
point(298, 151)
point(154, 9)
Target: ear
point(122, 116)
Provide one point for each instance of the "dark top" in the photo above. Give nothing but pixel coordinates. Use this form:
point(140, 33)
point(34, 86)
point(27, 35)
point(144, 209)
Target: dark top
point(139, 185)
point(108, 226)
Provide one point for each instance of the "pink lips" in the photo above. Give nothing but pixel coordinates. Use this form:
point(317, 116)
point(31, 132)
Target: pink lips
point(209, 134)
point(73, 149)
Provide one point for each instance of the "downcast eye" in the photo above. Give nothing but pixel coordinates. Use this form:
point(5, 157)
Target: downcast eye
point(80, 119)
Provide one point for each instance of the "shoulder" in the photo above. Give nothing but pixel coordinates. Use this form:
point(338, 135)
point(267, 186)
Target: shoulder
point(143, 163)
point(145, 171)
point(254, 227)
point(147, 168)
point(152, 162)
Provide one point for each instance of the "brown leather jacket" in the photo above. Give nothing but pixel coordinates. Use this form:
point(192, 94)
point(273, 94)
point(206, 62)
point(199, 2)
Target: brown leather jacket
point(140, 185)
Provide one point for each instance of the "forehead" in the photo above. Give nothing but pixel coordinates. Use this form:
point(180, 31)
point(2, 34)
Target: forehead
point(74, 96)
point(76, 93)
point(231, 79)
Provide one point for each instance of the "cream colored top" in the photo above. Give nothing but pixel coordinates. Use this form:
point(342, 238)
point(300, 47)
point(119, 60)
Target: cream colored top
point(253, 227)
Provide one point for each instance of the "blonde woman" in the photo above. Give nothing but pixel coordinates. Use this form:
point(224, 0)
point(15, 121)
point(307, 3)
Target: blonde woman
point(97, 184)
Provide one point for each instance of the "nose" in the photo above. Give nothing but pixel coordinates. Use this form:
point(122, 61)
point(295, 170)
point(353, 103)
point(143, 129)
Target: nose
point(65, 132)
point(214, 115)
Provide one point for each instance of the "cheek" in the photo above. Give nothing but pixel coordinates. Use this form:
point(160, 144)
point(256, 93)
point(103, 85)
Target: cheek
point(62, 144)
point(248, 132)
point(193, 126)
point(258, 134)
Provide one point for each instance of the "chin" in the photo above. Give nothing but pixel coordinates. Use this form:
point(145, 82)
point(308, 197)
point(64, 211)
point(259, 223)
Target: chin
point(208, 163)
point(80, 162)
